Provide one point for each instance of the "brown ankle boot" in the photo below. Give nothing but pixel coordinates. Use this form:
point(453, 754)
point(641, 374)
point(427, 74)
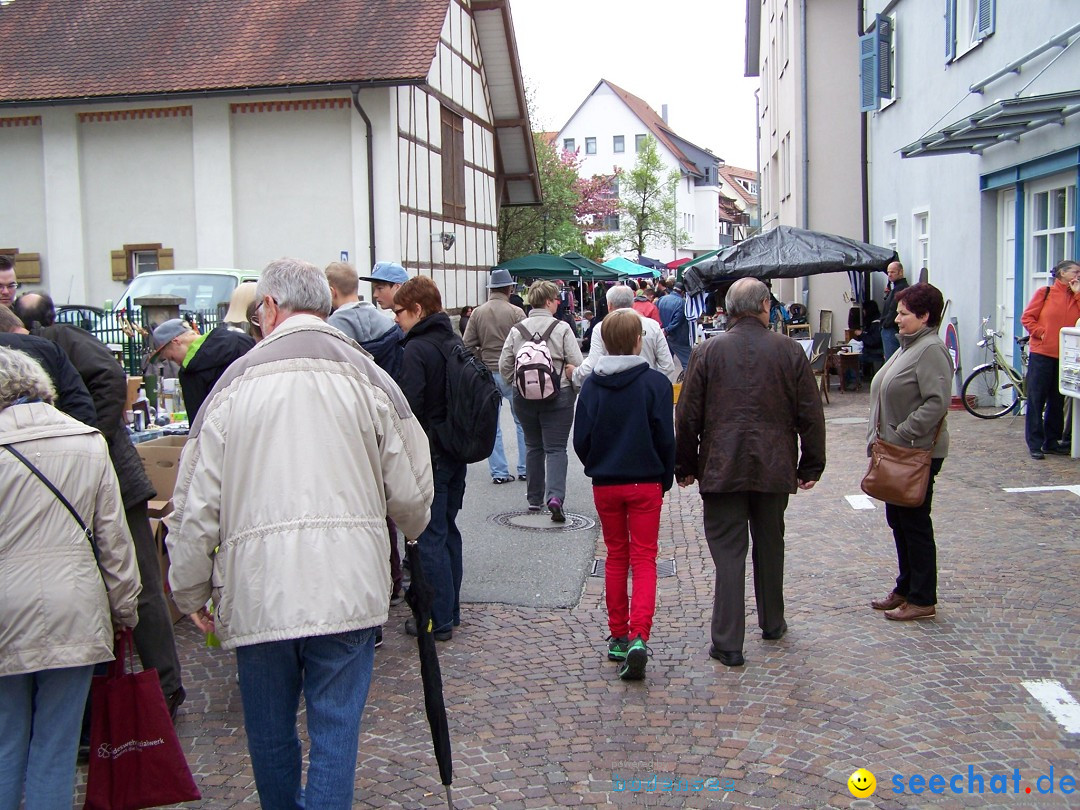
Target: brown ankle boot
point(893, 600)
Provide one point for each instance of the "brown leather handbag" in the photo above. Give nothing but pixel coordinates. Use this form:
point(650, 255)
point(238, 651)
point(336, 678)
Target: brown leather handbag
point(899, 475)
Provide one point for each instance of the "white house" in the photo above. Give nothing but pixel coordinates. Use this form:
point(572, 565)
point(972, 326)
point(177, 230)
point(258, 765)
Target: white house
point(975, 148)
point(606, 130)
point(739, 215)
point(227, 133)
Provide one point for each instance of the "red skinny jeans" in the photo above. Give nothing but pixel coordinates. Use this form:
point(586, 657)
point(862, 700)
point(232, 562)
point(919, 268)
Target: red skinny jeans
point(630, 518)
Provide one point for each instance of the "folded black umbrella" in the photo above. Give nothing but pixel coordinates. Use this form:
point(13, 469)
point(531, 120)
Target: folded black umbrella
point(419, 597)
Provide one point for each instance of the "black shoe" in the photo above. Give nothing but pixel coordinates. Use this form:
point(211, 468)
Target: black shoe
point(775, 635)
point(378, 637)
point(1037, 455)
point(521, 477)
point(440, 635)
point(555, 505)
point(1058, 450)
point(729, 658)
point(174, 700)
point(396, 598)
point(505, 479)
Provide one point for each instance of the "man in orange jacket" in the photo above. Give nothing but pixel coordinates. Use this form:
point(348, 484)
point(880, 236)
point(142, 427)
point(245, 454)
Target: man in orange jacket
point(1049, 310)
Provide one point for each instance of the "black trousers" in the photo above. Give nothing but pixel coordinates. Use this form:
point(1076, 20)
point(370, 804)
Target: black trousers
point(916, 552)
point(731, 518)
point(1044, 424)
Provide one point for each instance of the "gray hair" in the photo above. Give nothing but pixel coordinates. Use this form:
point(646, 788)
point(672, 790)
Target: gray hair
point(620, 297)
point(745, 297)
point(296, 286)
point(22, 376)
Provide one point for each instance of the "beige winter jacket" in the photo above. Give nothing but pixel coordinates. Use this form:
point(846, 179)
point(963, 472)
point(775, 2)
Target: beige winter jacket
point(562, 344)
point(300, 452)
point(54, 609)
point(488, 327)
point(911, 394)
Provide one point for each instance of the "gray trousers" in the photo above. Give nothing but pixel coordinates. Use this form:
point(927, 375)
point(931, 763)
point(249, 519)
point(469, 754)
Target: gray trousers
point(546, 426)
point(154, 639)
point(731, 518)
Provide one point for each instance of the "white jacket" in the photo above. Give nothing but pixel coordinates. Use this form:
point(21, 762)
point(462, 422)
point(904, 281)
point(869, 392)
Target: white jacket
point(300, 452)
point(654, 349)
point(54, 609)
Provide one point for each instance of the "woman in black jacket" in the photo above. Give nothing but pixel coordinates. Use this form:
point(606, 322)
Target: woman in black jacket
point(429, 336)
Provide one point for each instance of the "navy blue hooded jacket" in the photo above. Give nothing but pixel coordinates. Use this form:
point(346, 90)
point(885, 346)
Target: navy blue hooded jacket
point(624, 428)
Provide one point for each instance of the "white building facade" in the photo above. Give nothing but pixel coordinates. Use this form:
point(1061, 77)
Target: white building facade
point(210, 177)
point(606, 131)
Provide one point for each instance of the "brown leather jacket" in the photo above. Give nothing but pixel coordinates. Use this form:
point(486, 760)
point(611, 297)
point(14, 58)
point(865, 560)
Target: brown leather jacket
point(748, 399)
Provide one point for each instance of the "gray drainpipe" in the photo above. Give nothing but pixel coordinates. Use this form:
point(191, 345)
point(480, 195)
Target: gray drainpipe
point(806, 123)
point(370, 172)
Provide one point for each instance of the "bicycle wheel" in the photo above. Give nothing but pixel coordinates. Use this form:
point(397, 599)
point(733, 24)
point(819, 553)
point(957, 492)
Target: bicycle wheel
point(989, 392)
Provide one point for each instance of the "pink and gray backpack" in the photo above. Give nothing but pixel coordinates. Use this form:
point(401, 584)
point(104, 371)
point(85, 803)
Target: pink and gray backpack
point(535, 377)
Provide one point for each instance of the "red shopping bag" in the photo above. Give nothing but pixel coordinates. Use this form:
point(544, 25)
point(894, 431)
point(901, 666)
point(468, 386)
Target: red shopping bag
point(135, 758)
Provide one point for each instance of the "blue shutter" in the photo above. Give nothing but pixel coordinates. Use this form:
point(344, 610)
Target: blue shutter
point(883, 29)
point(986, 18)
point(868, 73)
point(950, 30)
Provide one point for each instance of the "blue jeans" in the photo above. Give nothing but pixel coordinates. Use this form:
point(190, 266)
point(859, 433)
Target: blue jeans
point(547, 431)
point(890, 342)
point(40, 717)
point(440, 543)
point(1044, 424)
point(497, 463)
point(680, 347)
point(334, 673)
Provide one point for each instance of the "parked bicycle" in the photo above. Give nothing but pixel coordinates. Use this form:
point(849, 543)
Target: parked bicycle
point(996, 388)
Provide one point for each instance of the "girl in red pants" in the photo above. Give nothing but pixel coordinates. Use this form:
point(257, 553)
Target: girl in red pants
point(624, 435)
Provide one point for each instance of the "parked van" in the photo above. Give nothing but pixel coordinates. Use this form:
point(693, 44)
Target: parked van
point(203, 291)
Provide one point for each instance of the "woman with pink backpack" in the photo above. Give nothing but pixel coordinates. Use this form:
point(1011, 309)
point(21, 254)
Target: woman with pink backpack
point(538, 359)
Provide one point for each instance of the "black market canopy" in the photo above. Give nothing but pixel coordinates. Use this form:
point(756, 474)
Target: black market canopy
point(786, 252)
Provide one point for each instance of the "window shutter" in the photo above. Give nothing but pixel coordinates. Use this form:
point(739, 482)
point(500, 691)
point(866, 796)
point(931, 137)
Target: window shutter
point(28, 268)
point(986, 18)
point(119, 266)
point(868, 73)
point(165, 259)
point(883, 30)
point(950, 30)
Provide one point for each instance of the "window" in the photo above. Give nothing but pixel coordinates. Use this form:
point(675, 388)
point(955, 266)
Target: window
point(638, 141)
point(1053, 217)
point(888, 236)
point(921, 233)
point(136, 259)
point(568, 145)
point(783, 56)
point(610, 223)
point(590, 146)
point(453, 165)
point(785, 167)
point(967, 23)
point(877, 60)
point(618, 144)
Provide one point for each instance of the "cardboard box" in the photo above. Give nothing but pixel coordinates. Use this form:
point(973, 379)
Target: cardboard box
point(133, 386)
point(161, 458)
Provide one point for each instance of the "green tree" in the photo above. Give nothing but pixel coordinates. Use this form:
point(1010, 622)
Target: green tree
point(647, 201)
point(550, 227)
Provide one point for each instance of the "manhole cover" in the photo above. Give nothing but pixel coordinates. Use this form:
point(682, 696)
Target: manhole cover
point(541, 521)
point(664, 568)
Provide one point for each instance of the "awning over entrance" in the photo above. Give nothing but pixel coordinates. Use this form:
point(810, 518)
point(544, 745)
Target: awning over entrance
point(1004, 120)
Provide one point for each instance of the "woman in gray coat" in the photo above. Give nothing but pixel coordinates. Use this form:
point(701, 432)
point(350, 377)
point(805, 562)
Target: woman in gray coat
point(909, 398)
point(58, 605)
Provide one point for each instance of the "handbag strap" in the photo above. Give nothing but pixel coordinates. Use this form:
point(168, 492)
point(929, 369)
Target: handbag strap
point(86, 530)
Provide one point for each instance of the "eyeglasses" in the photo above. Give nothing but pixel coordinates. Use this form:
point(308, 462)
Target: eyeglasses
point(398, 311)
point(12, 286)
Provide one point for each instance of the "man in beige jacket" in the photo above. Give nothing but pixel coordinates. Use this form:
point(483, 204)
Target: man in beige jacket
point(298, 455)
point(485, 335)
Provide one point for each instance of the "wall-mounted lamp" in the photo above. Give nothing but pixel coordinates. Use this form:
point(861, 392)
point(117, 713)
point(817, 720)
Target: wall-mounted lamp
point(448, 239)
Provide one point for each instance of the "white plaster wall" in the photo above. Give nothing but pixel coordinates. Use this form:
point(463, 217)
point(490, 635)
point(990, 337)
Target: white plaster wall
point(963, 241)
point(292, 185)
point(136, 180)
point(213, 186)
point(22, 206)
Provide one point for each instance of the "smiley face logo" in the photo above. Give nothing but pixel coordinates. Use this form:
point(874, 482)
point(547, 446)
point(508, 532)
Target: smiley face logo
point(862, 784)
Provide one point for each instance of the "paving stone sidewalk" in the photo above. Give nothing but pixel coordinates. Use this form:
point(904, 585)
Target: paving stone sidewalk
point(539, 719)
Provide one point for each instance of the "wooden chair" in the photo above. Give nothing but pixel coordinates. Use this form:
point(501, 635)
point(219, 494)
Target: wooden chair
point(819, 355)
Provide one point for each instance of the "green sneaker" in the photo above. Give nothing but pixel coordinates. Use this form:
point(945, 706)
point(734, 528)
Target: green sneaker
point(617, 647)
point(636, 659)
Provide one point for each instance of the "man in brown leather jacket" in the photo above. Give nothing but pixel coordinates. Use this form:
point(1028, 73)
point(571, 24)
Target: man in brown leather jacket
point(748, 401)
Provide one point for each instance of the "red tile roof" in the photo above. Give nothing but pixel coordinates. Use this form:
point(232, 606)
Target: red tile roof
point(63, 49)
point(655, 124)
point(729, 173)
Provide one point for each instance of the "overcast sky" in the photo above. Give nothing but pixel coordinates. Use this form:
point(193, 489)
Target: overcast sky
point(687, 54)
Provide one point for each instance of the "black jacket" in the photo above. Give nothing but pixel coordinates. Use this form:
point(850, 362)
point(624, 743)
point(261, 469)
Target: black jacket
point(71, 395)
point(221, 347)
point(888, 312)
point(423, 370)
point(624, 432)
point(107, 384)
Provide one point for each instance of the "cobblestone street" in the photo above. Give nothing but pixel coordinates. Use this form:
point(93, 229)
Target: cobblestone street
point(538, 717)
